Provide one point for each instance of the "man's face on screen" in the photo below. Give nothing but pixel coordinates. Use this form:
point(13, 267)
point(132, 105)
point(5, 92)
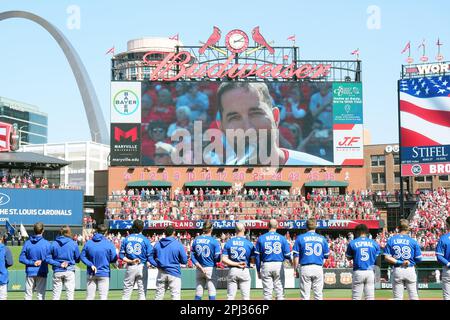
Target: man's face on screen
point(246, 109)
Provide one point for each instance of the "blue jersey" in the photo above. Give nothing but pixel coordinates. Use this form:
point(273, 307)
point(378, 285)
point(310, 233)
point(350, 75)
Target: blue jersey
point(311, 248)
point(136, 246)
point(272, 246)
point(403, 247)
point(364, 252)
point(206, 251)
point(443, 250)
point(239, 249)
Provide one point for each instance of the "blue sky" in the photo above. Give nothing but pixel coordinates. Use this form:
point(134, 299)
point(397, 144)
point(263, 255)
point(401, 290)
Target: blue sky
point(33, 68)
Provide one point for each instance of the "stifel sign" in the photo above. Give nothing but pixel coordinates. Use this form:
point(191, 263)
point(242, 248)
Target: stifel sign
point(181, 64)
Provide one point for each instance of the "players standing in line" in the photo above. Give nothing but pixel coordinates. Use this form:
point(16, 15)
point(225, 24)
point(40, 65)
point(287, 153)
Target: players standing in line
point(97, 255)
point(443, 256)
point(271, 250)
point(363, 251)
point(6, 261)
point(403, 252)
point(168, 254)
point(310, 250)
point(205, 252)
point(63, 256)
point(135, 251)
point(33, 256)
point(237, 253)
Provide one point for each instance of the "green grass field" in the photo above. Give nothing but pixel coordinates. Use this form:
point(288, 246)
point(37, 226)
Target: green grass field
point(256, 294)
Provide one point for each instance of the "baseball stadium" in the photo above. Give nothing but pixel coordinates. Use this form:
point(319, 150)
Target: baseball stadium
point(237, 170)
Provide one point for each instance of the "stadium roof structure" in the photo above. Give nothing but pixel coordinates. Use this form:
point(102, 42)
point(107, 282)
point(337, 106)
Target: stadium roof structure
point(18, 160)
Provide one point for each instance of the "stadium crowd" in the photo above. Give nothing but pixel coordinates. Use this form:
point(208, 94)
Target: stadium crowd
point(28, 180)
point(233, 203)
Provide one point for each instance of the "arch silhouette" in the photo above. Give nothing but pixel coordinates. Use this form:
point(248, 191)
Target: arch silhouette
point(96, 121)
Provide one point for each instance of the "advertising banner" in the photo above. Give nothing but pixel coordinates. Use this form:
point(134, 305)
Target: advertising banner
point(348, 144)
point(125, 102)
point(424, 125)
point(125, 144)
point(426, 169)
point(51, 207)
point(249, 224)
point(347, 103)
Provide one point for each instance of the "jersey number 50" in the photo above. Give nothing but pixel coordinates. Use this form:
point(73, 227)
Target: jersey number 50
point(313, 248)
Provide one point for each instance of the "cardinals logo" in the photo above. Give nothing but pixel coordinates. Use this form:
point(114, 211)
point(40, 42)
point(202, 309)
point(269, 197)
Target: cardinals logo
point(212, 40)
point(259, 39)
point(238, 43)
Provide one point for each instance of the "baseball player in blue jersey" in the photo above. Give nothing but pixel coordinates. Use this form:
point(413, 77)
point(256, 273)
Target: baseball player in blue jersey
point(205, 252)
point(271, 250)
point(443, 256)
point(97, 255)
point(33, 256)
point(403, 252)
point(168, 255)
point(63, 256)
point(310, 250)
point(6, 261)
point(237, 253)
point(364, 252)
point(136, 251)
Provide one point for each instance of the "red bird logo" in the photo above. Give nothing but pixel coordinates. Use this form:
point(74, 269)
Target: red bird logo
point(212, 40)
point(259, 39)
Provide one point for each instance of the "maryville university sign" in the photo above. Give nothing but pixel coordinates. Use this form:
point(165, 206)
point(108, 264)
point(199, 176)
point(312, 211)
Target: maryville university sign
point(177, 65)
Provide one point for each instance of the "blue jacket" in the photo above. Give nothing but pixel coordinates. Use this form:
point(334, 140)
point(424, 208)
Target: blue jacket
point(99, 252)
point(168, 254)
point(36, 248)
point(6, 261)
point(63, 249)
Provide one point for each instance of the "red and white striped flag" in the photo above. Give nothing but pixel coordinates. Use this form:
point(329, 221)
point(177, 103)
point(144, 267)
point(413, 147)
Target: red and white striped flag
point(355, 52)
point(5, 132)
point(425, 111)
point(175, 37)
point(407, 47)
point(291, 38)
point(110, 51)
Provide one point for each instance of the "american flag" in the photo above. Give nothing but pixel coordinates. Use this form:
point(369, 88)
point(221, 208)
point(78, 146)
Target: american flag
point(425, 111)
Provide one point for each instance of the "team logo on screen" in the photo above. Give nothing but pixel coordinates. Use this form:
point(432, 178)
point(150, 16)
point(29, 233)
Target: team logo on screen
point(416, 169)
point(4, 199)
point(126, 102)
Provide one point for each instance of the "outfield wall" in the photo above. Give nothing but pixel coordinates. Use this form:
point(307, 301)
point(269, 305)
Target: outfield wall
point(333, 279)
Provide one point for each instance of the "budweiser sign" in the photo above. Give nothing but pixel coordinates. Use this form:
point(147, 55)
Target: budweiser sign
point(179, 65)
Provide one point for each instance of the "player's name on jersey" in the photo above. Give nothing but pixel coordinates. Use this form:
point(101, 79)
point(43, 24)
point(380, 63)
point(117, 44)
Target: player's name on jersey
point(401, 241)
point(360, 244)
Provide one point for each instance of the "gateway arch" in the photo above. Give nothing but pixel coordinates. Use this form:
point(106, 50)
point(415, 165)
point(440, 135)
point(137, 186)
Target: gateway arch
point(96, 121)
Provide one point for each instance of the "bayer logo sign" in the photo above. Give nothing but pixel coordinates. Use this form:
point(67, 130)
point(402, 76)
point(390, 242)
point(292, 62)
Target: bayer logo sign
point(126, 102)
